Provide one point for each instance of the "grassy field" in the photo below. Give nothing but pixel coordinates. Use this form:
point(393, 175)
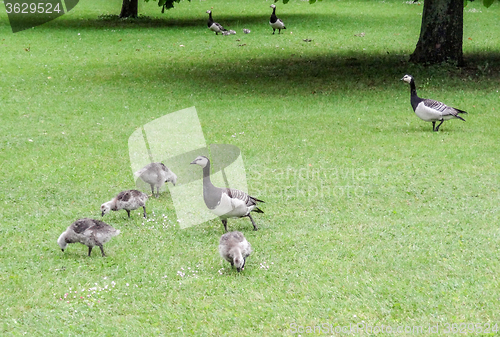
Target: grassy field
point(370, 217)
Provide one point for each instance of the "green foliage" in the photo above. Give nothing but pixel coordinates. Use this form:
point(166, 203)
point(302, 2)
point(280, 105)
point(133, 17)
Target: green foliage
point(488, 3)
point(166, 4)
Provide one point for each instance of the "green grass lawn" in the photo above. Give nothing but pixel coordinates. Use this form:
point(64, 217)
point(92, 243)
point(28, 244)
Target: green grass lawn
point(370, 217)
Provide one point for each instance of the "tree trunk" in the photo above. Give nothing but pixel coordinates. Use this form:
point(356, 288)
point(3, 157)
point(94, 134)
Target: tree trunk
point(129, 9)
point(441, 33)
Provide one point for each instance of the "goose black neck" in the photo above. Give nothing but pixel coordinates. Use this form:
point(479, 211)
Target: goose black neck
point(413, 89)
point(274, 11)
point(206, 177)
point(210, 17)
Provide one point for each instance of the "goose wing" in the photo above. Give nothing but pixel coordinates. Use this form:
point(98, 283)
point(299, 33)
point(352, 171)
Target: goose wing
point(81, 225)
point(124, 196)
point(219, 26)
point(240, 195)
point(442, 108)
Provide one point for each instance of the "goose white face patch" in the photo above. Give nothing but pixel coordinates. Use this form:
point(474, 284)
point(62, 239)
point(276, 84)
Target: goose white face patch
point(407, 78)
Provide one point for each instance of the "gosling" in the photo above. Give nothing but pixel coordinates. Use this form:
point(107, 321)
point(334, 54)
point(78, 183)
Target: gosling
point(156, 174)
point(89, 232)
point(128, 200)
point(235, 249)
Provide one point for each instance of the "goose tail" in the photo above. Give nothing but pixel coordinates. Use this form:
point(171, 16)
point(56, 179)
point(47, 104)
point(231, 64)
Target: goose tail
point(257, 210)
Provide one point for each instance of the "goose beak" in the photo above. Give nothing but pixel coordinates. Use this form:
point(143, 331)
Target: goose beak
point(193, 162)
point(238, 269)
point(62, 250)
point(102, 214)
point(402, 79)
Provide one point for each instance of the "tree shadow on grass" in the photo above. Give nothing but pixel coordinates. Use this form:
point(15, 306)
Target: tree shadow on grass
point(295, 74)
point(112, 20)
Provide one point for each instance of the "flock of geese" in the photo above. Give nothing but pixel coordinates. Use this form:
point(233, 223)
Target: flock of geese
point(426, 109)
point(224, 202)
point(216, 27)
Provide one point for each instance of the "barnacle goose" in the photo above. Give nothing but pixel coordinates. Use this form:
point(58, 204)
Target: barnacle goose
point(89, 232)
point(214, 26)
point(275, 22)
point(226, 202)
point(430, 110)
point(127, 200)
point(156, 174)
point(235, 249)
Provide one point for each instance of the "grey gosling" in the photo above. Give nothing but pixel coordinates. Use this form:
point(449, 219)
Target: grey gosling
point(226, 202)
point(235, 249)
point(156, 174)
point(430, 110)
point(89, 232)
point(128, 200)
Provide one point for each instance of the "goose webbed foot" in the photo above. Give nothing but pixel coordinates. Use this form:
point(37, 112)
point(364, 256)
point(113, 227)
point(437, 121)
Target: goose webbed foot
point(224, 222)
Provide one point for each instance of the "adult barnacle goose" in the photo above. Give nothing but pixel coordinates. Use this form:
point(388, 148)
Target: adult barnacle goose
point(226, 202)
point(430, 110)
point(214, 26)
point(275, 22)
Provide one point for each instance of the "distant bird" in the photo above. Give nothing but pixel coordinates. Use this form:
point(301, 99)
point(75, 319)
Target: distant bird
point(275, 22)
point(226, 202)
point(232, 32)
point(226, 32)
point(430, 110)
point(214, 26)
point(128, 200)
point(235, 249)
point(246, 31)
point(156, 174)
point(89, 232)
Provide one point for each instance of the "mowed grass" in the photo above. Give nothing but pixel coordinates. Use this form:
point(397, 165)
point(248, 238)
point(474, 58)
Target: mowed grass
point(370, 217)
